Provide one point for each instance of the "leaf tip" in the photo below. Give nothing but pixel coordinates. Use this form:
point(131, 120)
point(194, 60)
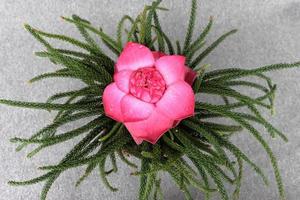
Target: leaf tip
point(27, 27)
point(13, 140)
point(11, 183)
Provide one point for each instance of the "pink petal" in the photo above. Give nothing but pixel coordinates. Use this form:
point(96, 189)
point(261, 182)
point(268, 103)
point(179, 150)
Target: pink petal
point(150, 129)
point(190, 75)
point(122, 79)
point(134, 56)
point(134, 109)
point(157, 54)
point(137, 140)
point(111, 98)
point(171, 68)
point(178, 101)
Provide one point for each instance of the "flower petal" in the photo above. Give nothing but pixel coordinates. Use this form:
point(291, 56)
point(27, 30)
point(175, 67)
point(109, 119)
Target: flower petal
point(157, 54)
point(134, 56)
point(190, 75)
point(178, 101)
point(171, 68)
point(134, 109)
point(137, 140)
point(150, 129)
point(122, 79)
point(111, 98)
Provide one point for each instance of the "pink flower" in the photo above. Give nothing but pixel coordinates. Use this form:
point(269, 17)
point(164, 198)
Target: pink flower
point(151, 92)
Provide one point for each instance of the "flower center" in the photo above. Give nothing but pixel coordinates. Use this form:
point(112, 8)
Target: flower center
point(147, 84)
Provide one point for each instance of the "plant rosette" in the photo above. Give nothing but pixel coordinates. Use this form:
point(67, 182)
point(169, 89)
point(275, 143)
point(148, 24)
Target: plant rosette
point(143, 105)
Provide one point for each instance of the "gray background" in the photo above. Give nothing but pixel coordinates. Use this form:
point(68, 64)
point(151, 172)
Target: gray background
point(268, 33)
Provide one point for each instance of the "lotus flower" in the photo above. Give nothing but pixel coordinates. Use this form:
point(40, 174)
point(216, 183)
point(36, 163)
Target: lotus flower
point(151, 92)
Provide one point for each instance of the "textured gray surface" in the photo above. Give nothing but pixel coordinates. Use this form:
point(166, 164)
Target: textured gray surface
point(268, 33)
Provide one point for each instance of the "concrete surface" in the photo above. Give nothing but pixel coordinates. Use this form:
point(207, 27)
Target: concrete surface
point(268, 33)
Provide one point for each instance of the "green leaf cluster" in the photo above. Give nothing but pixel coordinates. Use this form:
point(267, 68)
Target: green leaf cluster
point(197, 153)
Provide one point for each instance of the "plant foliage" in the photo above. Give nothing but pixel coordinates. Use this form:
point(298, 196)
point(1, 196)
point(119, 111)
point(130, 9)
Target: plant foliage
point(197, 153)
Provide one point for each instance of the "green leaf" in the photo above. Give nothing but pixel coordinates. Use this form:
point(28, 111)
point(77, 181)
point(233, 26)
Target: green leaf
point(200, 40)
point(257, 135)
point(148, 22)
point(211, 48)
point(103, 176)
point(253, 72)
point(117, 127)
point(200, 75)
point(166, 38)
point(48, 185)
point(32, 181)
point(47, 106)
point(125, 160)
point(190, 29)
point(102, 35)
point(116, 145)
point(120, 27)
point(84, 32)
